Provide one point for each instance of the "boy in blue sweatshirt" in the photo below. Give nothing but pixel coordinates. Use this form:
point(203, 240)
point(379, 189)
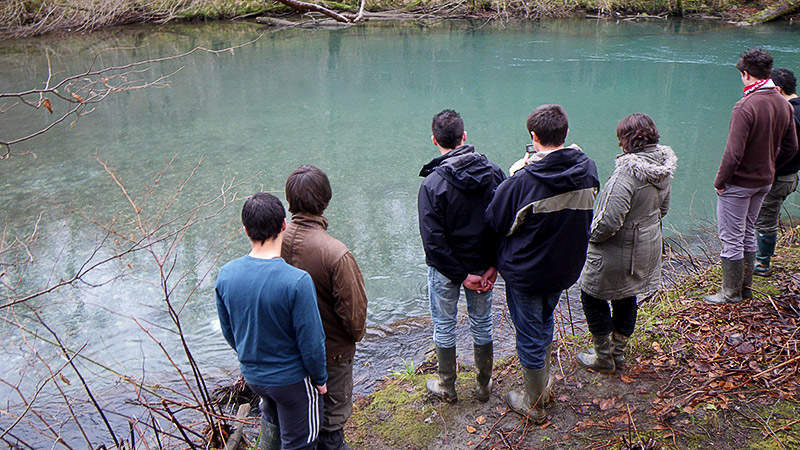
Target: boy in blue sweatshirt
point(268, 314)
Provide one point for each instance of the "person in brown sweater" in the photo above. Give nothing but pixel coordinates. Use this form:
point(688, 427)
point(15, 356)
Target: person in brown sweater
point(761, 137)
point(341, 296)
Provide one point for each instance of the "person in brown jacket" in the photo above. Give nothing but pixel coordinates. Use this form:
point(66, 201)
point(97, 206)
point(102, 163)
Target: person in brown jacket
point(341, 297)
point(761, 137)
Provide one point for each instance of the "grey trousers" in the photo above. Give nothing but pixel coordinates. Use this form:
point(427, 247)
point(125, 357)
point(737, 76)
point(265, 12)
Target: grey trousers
point(737, 210)
point(770, 212)
point(339, 399)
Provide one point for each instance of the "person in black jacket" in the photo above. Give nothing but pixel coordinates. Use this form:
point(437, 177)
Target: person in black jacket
point(543, 213)
point(785, 183)
point(459, 249)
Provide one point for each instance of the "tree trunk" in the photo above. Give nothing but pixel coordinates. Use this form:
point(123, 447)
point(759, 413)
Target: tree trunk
point(303, 6)
point(774, 12)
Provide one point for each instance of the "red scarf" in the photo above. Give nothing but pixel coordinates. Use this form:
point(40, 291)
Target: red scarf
point(750, 88)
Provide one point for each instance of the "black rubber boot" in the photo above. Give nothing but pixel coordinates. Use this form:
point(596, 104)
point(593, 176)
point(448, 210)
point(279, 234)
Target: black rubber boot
point(270, 437)
point(484, 360)
point(747, 275)
point(532, 402)
point(331, 440)
point(618, 342)
point(731, 292)
point(766, 248)
point(601, 359)
point(444, 387)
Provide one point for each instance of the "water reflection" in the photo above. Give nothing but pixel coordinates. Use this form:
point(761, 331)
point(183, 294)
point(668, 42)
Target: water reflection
point(356, 102)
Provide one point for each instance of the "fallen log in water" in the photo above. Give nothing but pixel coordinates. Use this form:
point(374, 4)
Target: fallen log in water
point(779, 10)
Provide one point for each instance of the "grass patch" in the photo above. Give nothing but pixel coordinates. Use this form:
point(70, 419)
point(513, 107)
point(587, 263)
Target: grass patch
point(396, 414)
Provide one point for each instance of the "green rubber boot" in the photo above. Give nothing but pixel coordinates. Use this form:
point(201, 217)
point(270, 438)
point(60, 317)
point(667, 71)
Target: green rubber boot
point(732, 274)
point(484, 360)
point(532, 402)
point(444, 387)
point(766, 248)
point(601, 357)
point(270, 437)
point(747, 275)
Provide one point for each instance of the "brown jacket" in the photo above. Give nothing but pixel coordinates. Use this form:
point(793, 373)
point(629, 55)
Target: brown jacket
point(761, 137)
point(341, 297)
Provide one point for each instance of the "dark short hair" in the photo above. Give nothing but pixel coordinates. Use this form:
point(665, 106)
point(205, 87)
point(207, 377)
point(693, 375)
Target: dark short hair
point(448, 128)
point(263, 216)
point(756, 62)
point(636, 131)
point(550, 124)
point(308, 190)
point(784, 79)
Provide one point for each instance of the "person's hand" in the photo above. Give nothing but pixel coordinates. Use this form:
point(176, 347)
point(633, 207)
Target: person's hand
point(473, 282)
point(719, 191)
point(488, 278)
point(323, 389)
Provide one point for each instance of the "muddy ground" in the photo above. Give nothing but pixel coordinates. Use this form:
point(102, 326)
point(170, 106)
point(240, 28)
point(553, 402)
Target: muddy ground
point(698, 376)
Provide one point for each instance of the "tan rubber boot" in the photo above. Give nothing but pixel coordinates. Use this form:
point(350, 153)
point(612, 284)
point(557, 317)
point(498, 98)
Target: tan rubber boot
point(619, 342)
point(600, 358)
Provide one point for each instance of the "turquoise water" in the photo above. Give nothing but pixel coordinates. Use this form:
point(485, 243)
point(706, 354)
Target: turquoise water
point(357, 103)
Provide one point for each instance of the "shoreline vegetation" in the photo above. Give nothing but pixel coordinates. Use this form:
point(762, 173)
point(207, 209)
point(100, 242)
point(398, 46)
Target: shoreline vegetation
point(28, 18)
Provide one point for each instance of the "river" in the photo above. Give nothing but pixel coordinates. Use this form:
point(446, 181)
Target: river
point(356, 102)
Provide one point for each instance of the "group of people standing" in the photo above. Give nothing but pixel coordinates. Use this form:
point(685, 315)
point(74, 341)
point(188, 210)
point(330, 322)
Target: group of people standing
point(295, 306)
point(543, 229)
point(535, 228)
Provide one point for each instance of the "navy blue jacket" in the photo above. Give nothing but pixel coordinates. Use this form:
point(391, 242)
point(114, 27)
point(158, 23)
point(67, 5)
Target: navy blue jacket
point(457, 188)
point(793, 165)
point(544, 213)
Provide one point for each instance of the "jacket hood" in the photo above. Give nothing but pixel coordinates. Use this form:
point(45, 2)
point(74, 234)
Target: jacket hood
point(655, 164)
point(463, 168)
point(562, 170)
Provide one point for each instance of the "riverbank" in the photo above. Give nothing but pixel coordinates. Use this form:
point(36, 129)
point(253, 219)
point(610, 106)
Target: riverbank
point(698, 376)
point(26, 18)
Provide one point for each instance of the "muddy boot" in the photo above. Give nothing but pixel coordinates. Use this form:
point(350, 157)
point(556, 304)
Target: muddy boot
point(747, 275)
point(731, 292)
point(484, 359)
point(602, 358)
point(444, 387)
point(536, 396)
point(766, 248)
point(619, 342)
point(270, 437)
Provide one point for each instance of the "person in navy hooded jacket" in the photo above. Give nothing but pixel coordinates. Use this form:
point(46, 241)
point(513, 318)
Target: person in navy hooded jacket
point(459, 249)
point(543, 214)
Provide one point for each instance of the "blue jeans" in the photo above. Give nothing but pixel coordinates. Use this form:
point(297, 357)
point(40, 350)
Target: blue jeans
point(532, 315)
point(444, 294)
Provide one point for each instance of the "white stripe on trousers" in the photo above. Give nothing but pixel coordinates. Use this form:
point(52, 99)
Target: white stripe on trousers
point(313, 410)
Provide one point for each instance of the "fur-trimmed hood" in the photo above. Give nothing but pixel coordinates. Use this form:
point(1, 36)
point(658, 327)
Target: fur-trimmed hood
point(655, 164)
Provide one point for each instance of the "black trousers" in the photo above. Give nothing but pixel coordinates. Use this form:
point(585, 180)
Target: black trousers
point(296, 409)
point(603, 321)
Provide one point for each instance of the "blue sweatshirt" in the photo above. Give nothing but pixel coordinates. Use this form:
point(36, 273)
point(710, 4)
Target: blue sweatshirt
point(268, 314)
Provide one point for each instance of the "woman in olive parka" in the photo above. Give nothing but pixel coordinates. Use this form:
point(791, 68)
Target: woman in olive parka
point(624, 255)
